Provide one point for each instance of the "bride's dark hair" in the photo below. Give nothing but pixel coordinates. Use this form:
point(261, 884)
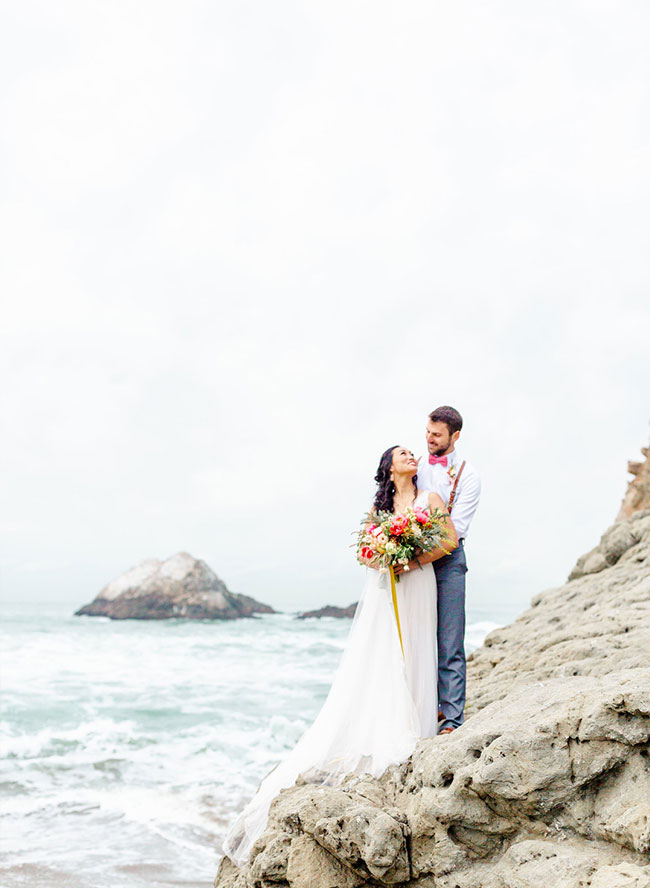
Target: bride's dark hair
point(385, 487)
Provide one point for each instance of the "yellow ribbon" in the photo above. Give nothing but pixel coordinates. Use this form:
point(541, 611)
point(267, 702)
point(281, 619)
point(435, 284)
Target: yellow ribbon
point(396, 609)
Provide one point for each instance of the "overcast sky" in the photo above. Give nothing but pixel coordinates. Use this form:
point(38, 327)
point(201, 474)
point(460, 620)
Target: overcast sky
point(248, 245)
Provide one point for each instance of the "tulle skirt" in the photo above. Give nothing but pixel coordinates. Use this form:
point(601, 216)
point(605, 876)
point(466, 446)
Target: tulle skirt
point(380, 704)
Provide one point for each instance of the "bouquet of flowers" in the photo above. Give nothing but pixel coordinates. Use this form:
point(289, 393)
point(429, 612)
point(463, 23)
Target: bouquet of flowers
point(389, 540)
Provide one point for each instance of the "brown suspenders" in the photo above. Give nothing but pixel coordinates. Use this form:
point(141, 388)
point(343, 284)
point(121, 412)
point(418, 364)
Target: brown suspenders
point(453, 491)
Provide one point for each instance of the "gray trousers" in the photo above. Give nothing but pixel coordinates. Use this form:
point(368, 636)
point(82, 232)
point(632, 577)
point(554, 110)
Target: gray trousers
point(450, 577)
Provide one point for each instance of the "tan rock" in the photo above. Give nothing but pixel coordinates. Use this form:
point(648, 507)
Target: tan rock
point(271, 863)
point(230, 876)
point(181, 587)
point(310, 865)
point(624, 875)
point(637, 496)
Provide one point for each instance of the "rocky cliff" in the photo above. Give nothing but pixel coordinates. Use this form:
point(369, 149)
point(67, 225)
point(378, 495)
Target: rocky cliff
point(181, 587)
point(546, 784)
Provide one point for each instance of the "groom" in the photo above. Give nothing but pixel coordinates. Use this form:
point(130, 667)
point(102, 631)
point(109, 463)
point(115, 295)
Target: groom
point(449, 475)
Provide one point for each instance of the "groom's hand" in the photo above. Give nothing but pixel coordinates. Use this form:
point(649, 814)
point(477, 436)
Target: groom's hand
point(412, 565)
point(400, 568)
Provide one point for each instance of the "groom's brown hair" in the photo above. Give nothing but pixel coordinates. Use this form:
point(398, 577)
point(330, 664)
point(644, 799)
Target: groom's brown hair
point(450, 416)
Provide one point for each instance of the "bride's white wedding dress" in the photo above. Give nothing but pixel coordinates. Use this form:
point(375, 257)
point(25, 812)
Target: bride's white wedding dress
point(380, 703)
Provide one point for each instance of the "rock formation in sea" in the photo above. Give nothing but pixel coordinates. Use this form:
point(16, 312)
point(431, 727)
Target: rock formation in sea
point(546, 784)
point(181, 587)
point(330, 610)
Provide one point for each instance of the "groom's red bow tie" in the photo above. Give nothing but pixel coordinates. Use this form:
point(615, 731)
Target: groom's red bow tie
point(437, 460)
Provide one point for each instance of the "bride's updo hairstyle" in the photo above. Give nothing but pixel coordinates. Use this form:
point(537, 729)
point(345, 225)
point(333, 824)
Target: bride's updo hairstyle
point(385, 487)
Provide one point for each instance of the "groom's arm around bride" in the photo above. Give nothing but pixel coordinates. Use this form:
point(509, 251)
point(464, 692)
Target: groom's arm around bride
point(444, 471)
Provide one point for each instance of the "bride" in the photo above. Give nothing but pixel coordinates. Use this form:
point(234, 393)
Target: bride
point(382, 701)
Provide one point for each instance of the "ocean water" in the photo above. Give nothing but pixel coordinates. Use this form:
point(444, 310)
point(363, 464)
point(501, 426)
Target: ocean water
point(129, 746)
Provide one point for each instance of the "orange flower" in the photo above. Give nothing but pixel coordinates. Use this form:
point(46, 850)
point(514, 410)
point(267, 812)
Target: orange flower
point(398, 525)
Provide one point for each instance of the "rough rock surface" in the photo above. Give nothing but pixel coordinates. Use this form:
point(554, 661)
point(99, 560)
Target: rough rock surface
point(594, 625)
point(330, 610)
point(546, 785)
point(182, 587)
point(637, 495)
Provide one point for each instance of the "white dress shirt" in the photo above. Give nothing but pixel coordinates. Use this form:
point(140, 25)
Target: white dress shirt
point(440, 480)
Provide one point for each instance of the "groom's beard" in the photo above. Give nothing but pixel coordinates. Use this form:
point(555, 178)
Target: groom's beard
point(440, 451)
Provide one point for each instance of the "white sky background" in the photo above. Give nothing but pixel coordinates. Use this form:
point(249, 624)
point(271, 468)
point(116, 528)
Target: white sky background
point(249, 245)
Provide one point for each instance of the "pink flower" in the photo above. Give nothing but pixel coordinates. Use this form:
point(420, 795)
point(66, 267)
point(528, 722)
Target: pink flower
point(367, 554)
point(421, 515)
point(398, 525)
